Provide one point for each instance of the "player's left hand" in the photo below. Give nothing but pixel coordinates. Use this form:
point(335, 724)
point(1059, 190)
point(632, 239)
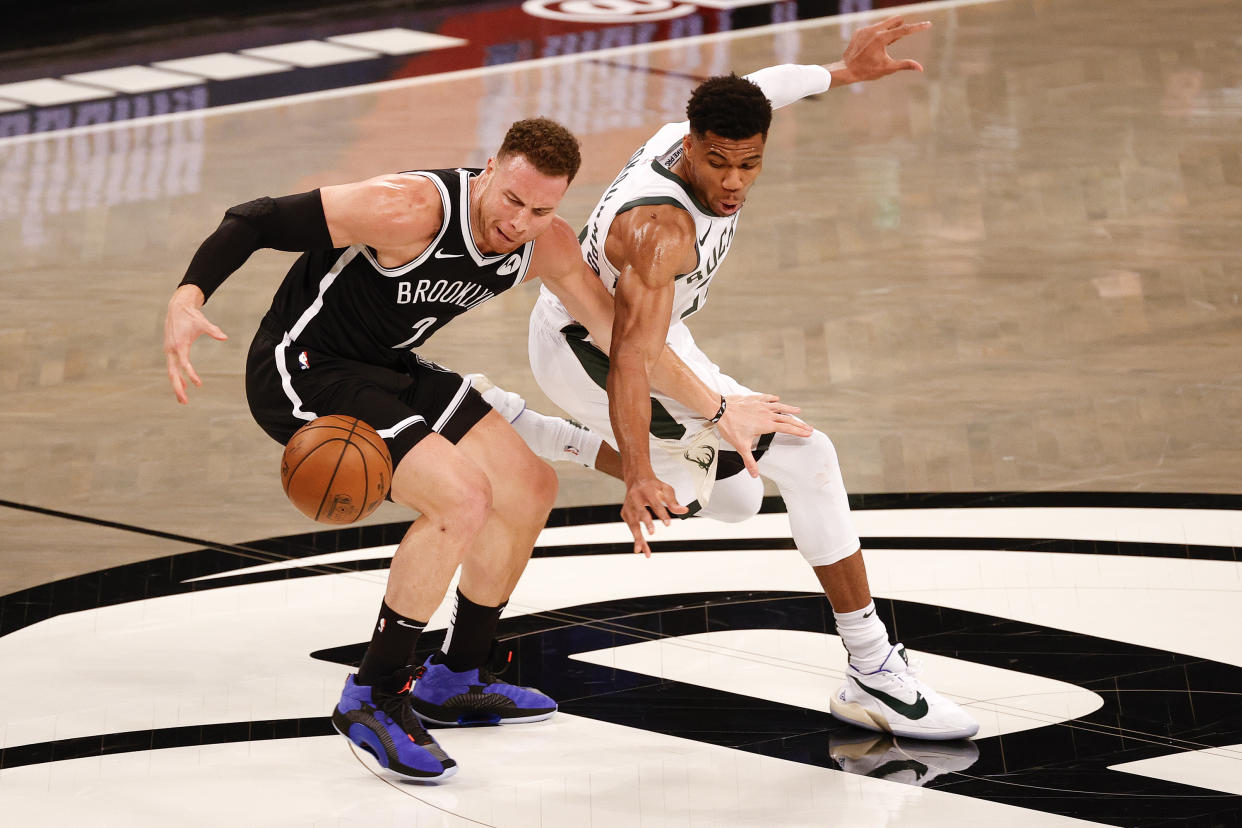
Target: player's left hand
point(867, 58)
point(747, 417)
point(647, 498)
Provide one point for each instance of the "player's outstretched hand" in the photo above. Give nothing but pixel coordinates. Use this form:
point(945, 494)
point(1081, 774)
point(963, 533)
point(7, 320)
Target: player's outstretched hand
point(867, 58)
point(184, 323)
point(748, 417)
point(648, 498)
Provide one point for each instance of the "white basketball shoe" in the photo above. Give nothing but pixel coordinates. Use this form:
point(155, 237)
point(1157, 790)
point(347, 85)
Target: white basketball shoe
point(893, 700)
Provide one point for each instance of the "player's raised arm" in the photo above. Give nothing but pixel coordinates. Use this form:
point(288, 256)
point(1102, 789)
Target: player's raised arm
point(866, 58)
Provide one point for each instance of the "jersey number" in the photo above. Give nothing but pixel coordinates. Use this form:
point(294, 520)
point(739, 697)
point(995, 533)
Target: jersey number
point(420, 329)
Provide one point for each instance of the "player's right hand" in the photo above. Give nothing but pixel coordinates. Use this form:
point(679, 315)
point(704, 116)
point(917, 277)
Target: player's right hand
point(747, 417)
point(184, 323)
point(646, 498)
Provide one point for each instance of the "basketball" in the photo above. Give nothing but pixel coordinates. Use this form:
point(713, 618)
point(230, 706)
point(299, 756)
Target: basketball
point(336, 469)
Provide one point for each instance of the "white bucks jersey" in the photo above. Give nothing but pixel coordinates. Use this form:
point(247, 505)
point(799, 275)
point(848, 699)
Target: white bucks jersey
point(648, 179)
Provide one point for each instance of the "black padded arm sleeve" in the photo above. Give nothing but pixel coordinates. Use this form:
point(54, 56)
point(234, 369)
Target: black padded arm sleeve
point(293, 223)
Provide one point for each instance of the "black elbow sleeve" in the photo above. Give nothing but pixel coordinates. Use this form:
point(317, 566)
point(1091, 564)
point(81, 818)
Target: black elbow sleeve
point(293, 223)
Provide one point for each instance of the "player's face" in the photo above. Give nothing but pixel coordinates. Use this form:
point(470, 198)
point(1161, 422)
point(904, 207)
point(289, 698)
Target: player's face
point(721, 170)
point(516, 203)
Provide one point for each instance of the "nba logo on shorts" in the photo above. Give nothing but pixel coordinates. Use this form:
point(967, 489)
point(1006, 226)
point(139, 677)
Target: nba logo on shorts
point(304, 360)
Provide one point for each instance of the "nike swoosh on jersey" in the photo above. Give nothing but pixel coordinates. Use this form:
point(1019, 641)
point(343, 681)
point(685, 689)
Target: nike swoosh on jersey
point(703, 240)
point(440, 254)
point(915, 710)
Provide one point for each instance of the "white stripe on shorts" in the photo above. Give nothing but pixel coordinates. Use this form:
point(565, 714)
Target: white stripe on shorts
point(389, 433)
point(452, 406)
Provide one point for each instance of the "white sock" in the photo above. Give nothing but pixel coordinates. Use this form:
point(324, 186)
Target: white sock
point(864, 636)
point(555, 438)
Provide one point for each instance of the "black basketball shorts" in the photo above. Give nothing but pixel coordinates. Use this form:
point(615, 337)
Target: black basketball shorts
point(287, 386)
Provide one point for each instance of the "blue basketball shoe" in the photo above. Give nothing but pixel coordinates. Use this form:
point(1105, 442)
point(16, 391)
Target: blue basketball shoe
point(378, 719)
point(474, 697)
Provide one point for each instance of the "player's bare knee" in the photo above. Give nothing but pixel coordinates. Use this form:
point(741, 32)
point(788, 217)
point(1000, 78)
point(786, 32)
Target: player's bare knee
point(469, 508)
point(545, 486)
point(458, 501)
point(535, 484)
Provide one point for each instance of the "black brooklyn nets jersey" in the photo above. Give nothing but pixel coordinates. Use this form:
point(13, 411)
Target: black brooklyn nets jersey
point(344, 303)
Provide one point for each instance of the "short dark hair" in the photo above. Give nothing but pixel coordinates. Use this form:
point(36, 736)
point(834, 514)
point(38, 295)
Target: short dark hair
point(729, 106)
point(549, 147)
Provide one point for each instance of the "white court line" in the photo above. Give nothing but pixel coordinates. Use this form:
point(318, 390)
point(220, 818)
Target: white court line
point(1213, 768)
point(480, 71)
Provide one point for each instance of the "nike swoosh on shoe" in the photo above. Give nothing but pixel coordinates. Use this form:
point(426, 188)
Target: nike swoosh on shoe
point(911, 710)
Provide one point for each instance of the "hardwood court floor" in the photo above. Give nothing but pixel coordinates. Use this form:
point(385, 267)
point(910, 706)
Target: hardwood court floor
point(1017, 272)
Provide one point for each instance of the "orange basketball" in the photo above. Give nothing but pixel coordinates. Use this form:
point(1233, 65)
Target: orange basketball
point(336, 469)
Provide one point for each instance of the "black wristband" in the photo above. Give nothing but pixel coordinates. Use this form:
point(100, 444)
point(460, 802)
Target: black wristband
point(293, 223)
point(719, 413)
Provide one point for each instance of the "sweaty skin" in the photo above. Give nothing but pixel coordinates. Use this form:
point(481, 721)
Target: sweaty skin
point(650, 248)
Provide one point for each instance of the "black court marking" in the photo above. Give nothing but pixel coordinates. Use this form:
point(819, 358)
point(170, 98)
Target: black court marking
point(250, 552)
point(165, 576)
point(1156, 702)
point(161, 738)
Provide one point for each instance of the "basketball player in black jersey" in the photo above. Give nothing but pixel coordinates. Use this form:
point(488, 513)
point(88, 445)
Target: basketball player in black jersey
point(385, 263)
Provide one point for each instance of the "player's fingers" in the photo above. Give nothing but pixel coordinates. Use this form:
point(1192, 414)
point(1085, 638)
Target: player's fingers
point(178, 384)
point(660, 512)
point(789, 424)
point(786, 408)
point(215, 333)
point(793, 428)
point(635, 526)
point(910, 64)
point(670, 501)
point(189, 370)
point(640, 544)
point(893, 35)
point(749, 460)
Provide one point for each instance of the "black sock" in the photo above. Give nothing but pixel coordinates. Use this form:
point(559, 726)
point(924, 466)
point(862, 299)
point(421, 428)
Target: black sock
point(470, 634)
point(392, 645)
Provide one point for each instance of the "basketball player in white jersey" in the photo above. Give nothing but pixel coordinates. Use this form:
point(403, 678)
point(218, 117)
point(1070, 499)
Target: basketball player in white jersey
point(657, 239)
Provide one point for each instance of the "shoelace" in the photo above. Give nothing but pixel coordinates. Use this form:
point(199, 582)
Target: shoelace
point(396, 706)
point(909, 677)
point(487, 677)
